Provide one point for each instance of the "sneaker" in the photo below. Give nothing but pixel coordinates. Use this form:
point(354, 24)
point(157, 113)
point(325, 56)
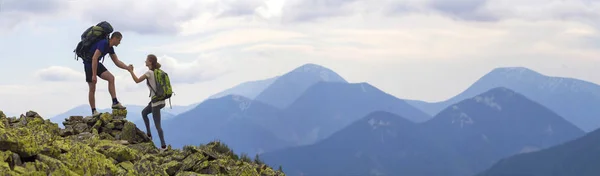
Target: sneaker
point(118, 106)
point(95, 114)
point(163, 148)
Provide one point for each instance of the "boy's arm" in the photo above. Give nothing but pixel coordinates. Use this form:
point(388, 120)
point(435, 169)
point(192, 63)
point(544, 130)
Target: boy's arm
point(95, 62)
point(118, 62)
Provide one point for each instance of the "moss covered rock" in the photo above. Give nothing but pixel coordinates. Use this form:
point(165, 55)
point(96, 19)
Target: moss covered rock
point(107, 145)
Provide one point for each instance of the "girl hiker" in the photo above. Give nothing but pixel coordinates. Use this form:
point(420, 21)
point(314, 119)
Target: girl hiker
point(152, 107)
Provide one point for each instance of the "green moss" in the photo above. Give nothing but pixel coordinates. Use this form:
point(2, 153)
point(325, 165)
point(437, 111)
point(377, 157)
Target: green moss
point(188, 173)
point(172, 167)
point(83, 160)
point(148, 166)
point(106, 136)
point(129, 132)
point(30, 140)
point(192, 160)
point(106, 118)
point(119, 112)
point(110, 125)
point(53, 166)
point(45, 152)
point(118, 152)
point(127, 165)
point(3, 122)
point(97, 126)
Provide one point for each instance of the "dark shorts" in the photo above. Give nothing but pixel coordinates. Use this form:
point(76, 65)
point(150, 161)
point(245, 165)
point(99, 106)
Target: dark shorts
point(88, 71)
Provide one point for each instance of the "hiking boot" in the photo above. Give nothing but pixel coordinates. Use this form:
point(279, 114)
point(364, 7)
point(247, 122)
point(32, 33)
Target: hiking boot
point(118, 106)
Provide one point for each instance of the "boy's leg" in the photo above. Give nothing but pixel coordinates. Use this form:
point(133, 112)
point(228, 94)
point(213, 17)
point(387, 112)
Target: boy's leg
point(106, 75)
point(91, 88)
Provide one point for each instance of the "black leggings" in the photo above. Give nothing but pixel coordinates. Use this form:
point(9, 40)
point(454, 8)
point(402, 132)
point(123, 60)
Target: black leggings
point(156, 116)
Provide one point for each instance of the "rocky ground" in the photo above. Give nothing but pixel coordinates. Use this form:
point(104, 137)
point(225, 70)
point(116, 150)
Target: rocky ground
point(108, 145)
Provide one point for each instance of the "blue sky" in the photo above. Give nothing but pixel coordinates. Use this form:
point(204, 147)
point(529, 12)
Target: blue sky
point(416, 49)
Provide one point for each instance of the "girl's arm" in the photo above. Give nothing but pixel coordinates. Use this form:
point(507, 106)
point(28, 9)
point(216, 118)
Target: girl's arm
point(136, 79)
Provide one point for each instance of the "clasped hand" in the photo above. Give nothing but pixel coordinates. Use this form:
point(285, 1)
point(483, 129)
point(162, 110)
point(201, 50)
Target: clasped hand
point(130, 68)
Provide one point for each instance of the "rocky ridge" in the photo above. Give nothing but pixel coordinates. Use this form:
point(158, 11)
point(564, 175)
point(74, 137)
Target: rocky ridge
point(108, 145)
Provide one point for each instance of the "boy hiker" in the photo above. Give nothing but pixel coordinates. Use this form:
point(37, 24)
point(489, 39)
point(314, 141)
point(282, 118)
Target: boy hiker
point(99, 46)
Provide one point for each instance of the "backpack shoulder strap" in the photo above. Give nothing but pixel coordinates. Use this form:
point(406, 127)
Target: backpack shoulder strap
point(148, 83)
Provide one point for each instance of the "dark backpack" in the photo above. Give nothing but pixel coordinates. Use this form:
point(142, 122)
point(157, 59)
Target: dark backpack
point(89, 37)
point(163, 86)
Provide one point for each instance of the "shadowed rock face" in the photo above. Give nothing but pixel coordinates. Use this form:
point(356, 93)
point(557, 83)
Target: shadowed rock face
point(107, 145)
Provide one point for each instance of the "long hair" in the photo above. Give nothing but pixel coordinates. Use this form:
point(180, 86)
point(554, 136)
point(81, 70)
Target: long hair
point(153, 62)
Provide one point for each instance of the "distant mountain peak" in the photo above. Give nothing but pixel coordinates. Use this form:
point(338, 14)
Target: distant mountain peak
point(288, 87)
point(493, 100)
point(322, 72)
point(513, 70)
point(488, 98)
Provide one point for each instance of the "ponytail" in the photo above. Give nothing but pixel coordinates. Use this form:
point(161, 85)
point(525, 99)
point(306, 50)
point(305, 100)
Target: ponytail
point(154, 61)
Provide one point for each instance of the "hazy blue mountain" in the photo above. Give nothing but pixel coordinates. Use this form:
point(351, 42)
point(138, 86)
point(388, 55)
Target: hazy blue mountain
point(284, 91)
point(381, 143)
point(233, 119)
point(78, 110)
point(327, 107)
point(134, 112)
point(175, 110)
point(11, 114)
point(497, 124)
point(577, 157)
point(463, 139)
point(249, 89)
point(575, 100)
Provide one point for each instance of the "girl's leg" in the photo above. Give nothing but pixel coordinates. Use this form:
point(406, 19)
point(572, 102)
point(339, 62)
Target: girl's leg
point(156, 116)
point(145, 113)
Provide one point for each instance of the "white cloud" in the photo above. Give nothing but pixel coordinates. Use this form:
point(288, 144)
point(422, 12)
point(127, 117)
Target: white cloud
point(59, 73)
point(231, 38)
point(200, 70)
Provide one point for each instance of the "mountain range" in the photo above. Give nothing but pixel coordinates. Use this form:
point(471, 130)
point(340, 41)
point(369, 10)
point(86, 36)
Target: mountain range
point(463, 139)
point(358, 129)
point(573, 99)
point(577, 157)
point(322, 108)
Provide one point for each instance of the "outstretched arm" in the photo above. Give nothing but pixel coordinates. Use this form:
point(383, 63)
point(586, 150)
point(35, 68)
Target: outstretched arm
point(135, 78)
point(118, 62)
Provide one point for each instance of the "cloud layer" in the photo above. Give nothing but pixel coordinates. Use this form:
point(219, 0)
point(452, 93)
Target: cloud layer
point(59, 73)
point(172, 17)
point(403, 47)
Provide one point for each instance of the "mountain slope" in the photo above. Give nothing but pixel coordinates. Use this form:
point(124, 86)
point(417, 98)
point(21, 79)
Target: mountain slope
point(327, 107)
point(573, 99)
point(577, 157)
point(233, 119)
point(499, 123)
point(249, 89)
point(380, 143)
point(284, 91)
point(107, 145)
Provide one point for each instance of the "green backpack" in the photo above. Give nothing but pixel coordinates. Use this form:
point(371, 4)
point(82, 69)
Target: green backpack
point(91, 36)
point(163, 86)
